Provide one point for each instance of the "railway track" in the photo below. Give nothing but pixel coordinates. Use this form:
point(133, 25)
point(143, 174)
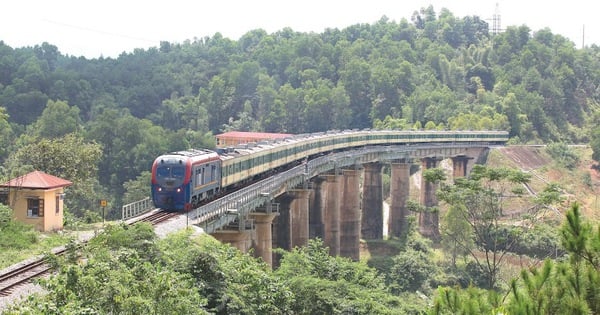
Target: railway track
point(157, 217)
point(13, 279)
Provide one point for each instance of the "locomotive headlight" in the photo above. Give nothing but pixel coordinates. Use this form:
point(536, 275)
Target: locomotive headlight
point(178, 189)
point(159, 189)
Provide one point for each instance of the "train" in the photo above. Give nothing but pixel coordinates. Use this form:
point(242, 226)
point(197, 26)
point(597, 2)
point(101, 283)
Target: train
point(184, 180)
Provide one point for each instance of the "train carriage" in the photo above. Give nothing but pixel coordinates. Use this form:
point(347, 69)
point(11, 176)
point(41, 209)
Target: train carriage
point(182, 180)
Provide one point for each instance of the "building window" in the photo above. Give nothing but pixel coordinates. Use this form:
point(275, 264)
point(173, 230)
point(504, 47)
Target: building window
point(35, 208)
point(4, 198)
point(57, 210)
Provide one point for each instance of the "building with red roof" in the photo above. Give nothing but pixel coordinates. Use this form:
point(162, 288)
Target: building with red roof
point(36, 198)
point(233, 138)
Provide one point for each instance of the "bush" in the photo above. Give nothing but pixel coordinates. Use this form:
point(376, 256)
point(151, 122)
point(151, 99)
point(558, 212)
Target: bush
point(411, 271)
point(6, 215)
point(17, 235)
point(91, 217)
point(540, 242)
point(563, 155)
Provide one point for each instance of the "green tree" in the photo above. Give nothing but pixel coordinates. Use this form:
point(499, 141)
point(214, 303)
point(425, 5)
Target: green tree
point(555, 287)
point(184, 113)
point(430, 125)
point(23, 108)
point(6, 135)
point(479, 200)
point(245, 120)
point(270, 112)
point(391, 123)
point(429, 216)
point(388, 82)
point(121, 275)
point(217, 97)
point(355, 76)
point(232, 282)
point(473, 300)
point(411, 271)
point(57, 120)
point(563, 155)
point(484, 74)
point(563, 287)
point(129, 146)
point(326, 106)
point(456, 232)
point(69, 157)
point(513, 114)
point(137, 189)
point(595, 144)
point(291, 99)
point(333, 285)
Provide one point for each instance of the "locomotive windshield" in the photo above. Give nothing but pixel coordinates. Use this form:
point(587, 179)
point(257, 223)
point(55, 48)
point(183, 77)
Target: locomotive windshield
point(170, 172)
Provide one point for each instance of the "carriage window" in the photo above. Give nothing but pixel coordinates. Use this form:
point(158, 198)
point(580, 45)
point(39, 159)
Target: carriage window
point(200, 176)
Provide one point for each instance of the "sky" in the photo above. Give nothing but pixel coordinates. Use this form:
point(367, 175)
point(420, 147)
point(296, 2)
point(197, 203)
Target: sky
point(93, 28)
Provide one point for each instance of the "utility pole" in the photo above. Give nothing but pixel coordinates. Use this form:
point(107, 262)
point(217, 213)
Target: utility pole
point(583, 37)
point(496, 27)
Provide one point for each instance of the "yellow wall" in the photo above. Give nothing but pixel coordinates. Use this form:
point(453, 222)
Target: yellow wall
point(51, 221)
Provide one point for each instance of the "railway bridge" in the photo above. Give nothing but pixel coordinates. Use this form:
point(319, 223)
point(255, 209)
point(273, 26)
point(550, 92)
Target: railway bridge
point(337, 197)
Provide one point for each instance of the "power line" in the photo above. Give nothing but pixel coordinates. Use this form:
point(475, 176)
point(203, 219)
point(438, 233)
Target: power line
point(92, 30)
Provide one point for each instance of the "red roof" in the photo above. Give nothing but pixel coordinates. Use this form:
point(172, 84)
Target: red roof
point(37, 180)
point(253, 135)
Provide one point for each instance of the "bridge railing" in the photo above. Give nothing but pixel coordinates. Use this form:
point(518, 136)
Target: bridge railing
point(136, 208)
point(238, 205)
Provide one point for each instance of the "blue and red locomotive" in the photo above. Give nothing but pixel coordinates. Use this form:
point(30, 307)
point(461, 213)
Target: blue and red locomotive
point(181, 180)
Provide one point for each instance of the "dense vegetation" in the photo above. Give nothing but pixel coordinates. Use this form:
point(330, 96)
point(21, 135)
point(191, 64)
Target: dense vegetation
point(434, 71)
point(19, 241)
point(127, 270)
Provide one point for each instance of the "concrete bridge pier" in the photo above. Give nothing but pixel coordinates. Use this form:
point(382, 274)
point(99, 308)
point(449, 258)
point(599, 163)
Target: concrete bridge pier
point(429, 220)
point(291, 227)
point(399, 192)
point(332, 196)
point(316, 216)
point(263, 242)
point(460, 165)
point(372, 212)
point(299, 217)
point(242, 240)
point(350, 215)
point(281, 227)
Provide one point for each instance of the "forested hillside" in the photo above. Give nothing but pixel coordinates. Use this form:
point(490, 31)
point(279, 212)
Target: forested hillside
point(435, 71)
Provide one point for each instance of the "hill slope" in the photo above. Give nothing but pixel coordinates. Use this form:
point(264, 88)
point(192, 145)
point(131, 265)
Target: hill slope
point(580, 184)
